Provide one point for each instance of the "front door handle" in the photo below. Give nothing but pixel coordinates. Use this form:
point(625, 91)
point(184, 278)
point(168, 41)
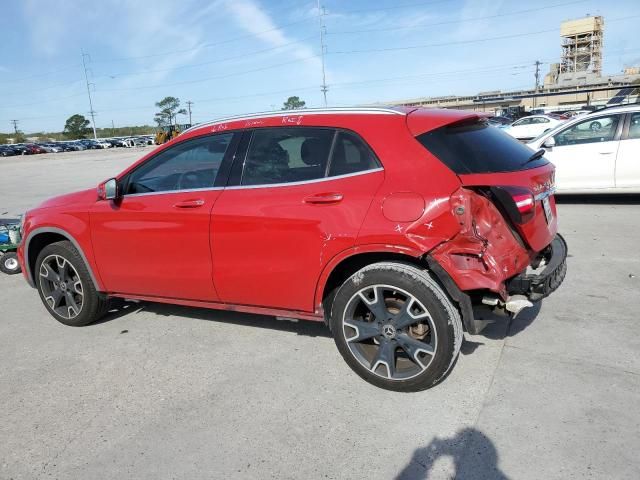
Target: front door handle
point(324, 198)
point(195, 203)
point(606, 153)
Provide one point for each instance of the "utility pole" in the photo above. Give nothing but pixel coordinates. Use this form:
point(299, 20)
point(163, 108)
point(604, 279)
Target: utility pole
point(189, 103)
point(113, 128)
point(86, 77)
point(323, 31)
point(535, 99)
point(15, 125)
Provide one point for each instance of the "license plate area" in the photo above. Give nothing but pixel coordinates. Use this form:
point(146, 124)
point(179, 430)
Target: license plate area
point(546, 206)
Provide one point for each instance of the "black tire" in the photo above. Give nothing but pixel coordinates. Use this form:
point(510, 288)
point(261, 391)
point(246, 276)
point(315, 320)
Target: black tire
point(413, 368)
point(93, 304)
point(9, 263)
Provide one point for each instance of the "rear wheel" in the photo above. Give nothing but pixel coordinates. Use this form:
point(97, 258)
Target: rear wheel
point(65, 286)
point(395, 327)
point(9, 263)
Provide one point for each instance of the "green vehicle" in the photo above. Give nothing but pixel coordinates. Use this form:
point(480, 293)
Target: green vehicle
point(9, 241)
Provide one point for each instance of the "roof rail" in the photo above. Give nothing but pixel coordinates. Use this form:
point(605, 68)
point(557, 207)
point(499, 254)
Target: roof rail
point(304, 111)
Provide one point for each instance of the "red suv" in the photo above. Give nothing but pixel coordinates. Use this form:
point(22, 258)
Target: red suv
point(389, 224)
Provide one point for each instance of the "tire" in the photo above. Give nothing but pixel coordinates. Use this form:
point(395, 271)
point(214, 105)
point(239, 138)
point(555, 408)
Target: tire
point(9, 263)
point(65, 286)
point(422, 346)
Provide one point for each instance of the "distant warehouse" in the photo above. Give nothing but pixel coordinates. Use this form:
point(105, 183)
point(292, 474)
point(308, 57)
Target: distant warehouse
point(576, 81)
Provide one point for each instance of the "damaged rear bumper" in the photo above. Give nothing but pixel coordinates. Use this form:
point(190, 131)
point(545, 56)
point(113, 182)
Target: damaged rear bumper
point(540, 284)
point(532, 286)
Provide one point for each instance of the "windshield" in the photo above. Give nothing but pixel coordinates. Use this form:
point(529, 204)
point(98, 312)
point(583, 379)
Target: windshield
point(478, 148)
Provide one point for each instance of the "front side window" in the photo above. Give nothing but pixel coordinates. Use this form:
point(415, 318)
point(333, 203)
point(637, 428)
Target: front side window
point(592, 130)
point(523, 121)
point(286, 155)
point(634, 126)
point(188, 165)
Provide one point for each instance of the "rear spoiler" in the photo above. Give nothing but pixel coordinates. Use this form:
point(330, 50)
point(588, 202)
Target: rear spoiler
point(424, 120)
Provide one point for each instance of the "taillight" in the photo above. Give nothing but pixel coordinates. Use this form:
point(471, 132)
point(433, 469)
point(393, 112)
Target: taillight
point(519, 202)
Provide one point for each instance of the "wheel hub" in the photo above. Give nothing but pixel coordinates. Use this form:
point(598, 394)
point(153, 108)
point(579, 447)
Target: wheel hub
point(389, 331)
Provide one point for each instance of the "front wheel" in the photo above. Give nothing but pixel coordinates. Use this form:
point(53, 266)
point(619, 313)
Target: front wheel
point(65, 286)
point(395, 327)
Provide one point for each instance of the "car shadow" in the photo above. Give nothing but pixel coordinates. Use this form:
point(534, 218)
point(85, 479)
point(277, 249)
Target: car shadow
point(473, 455)
point(599, 199)
point(500, 326)
point(119, 308)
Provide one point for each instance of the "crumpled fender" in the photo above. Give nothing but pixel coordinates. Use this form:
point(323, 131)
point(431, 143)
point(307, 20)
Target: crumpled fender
point(484, 252)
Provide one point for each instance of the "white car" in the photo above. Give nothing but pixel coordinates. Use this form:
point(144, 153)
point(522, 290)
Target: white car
point(530, 127)
point(596, 153)
point(103, 144)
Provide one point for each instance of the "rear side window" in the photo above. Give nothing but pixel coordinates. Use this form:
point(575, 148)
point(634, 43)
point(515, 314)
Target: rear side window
point(285, 155)
point(478, 148)
point(351, 155)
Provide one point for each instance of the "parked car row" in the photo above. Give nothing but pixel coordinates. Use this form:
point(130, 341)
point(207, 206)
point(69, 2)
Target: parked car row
point(74, 145)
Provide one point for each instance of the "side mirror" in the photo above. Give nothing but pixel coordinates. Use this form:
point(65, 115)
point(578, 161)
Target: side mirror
point(109, 190)
point(549, 143)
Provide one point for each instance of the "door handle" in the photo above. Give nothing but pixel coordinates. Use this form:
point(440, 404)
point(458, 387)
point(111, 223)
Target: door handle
point(189, 203)
point(606, 153)
point(323, 198)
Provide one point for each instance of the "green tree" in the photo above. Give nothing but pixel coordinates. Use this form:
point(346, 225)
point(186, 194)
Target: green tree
point(76, 126)
point(19, 137)
point(293, 103)
point(169, 109)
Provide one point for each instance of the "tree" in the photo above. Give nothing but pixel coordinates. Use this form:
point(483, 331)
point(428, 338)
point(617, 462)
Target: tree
point(76, 126)
point(169, 109)
point(19, 137)
point(293, 103)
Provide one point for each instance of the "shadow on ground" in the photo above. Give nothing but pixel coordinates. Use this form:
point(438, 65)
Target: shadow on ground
point(473, 454)
point(501, 326)
point(119, 308)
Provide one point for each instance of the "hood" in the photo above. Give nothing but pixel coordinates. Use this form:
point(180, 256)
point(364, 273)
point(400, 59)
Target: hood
point(88, 196)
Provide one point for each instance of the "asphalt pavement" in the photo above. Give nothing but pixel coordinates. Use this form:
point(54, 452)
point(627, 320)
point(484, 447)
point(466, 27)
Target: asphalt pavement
point(158, 392)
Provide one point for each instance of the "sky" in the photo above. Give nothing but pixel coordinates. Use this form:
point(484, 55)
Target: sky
point(239, 56)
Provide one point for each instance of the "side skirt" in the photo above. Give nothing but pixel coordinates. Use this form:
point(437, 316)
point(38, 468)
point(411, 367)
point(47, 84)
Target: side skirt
point(275, 312)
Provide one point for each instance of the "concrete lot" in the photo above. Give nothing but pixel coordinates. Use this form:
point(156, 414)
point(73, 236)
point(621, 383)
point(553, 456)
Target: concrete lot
point(158, 392)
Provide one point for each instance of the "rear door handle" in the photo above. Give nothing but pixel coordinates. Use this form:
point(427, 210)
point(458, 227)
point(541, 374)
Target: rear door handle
point(606, 153)
point(198, 202)
point(322, 198)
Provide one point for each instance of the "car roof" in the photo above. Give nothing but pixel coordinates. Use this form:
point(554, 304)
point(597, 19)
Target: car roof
point(307, 112)
point(419, 120)
point(617, 109)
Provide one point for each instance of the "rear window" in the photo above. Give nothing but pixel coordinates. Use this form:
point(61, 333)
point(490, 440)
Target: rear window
point(478, 148)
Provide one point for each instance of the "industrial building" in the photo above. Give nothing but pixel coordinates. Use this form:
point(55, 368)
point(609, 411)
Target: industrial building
point(574, 82)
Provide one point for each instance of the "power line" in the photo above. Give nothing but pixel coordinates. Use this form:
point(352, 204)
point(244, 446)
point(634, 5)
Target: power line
point(217, 77)
point(207, 45)
point(395, 7)
point(91, 112)
point(450, 22)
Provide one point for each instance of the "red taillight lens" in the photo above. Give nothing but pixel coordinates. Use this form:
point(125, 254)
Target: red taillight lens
point(519, 202)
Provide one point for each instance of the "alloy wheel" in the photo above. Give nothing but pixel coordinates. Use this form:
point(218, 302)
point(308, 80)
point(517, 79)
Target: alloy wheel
point(61, 286)
point(390, 332)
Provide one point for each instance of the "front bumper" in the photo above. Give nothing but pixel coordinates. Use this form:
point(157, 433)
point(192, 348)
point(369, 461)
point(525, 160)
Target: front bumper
point(538, 285)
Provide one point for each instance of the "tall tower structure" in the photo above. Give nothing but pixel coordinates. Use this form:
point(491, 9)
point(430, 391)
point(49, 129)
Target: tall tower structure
point(582, 45)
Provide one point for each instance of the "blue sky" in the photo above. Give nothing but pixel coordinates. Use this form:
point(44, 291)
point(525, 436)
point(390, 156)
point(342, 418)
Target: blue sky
point(237, 56)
